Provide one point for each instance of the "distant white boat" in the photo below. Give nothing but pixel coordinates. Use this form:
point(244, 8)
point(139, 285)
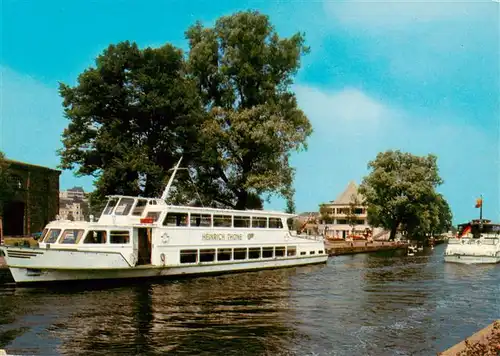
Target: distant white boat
point(139, 237)
point(476, 242)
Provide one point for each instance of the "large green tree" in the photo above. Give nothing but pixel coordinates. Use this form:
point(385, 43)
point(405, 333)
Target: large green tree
point(243, 71)
point(400, 192)
point(227, 109)
point(131, 116)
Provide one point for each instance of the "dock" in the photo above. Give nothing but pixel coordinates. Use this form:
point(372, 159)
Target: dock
point(484, 342)
point(337, 248)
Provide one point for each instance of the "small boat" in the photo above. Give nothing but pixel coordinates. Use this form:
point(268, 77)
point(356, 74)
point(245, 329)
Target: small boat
point(412, 250)
point(137, 237)
point(476, 242)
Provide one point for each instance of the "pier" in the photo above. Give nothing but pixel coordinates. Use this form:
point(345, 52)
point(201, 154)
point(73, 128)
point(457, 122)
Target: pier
point(351, 247)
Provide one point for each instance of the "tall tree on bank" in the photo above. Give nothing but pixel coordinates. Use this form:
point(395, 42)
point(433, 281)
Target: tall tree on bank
point(243, 71)
point(400, 193)
point(130, 118)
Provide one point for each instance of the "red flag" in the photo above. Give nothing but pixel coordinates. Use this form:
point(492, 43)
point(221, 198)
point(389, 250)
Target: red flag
point(467, 229)
point(479, 202)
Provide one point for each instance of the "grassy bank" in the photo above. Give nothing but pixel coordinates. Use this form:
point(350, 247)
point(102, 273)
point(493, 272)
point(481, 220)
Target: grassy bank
point(20, 241)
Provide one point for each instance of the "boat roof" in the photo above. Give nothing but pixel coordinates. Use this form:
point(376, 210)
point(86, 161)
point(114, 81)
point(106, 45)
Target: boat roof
point(208, 209)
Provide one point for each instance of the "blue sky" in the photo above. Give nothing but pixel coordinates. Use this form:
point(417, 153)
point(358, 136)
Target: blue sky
point(422, 77)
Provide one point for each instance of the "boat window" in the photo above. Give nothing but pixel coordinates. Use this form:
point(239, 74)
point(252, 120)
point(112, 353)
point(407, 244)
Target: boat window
point(154, 215)
point(267, 252)
point(320, 252)
point(254, 252)
point(201, 220)
point(207, 255)
point(124, 206)
point(176, 219)
point(223, 220)
point(242, 221)
point(44, 232)
point(258, 221)
point(71, 236)
point(119, 237)
point(224, 254)
point(312, 252)
point(110, 206)
point(291, 251)
point(275, 223)
point(303, 253)
point(240, 253)
point(279, 251)
point(189, 256)
point(95, 237)
point(52, 236)
point(139, 207)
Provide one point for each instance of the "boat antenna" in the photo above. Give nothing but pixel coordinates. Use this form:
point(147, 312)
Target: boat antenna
point(169, 184)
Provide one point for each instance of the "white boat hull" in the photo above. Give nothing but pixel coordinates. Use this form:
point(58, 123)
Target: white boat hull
point(469, 259)
point(26, 275)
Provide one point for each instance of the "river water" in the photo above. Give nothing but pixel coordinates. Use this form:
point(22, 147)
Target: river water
point(367, 304)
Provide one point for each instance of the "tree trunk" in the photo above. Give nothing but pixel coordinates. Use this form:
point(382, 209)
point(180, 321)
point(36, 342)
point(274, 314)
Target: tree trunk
point(394, 229)
point(242, 200)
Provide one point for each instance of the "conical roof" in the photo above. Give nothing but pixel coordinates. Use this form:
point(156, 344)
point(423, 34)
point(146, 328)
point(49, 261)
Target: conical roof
point(346, 196)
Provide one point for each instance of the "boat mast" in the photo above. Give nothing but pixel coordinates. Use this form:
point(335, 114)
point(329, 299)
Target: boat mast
point(169, 184)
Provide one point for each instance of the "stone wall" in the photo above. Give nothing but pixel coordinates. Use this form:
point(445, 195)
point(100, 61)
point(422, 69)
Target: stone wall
point(37, 194)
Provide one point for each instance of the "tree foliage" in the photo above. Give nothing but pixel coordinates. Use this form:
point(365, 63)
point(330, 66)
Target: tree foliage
point(400, 193)
point(226, 107)
point(6, 188)
point(130, 117)
point(244, 70)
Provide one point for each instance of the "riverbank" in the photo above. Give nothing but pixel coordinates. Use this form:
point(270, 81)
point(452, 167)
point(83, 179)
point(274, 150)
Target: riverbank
point(349, 248)
point(484, 341)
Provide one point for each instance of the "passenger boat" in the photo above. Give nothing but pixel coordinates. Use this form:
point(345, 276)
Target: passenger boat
point(476, 242)
point(138, 237)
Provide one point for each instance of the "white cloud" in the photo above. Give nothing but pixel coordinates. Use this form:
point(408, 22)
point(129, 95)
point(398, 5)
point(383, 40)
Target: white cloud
point(379, 15)
point(351, 127)
point(349, 104)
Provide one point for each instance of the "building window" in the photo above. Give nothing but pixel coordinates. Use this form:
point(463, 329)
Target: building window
point(189, 256)
point(17, 182)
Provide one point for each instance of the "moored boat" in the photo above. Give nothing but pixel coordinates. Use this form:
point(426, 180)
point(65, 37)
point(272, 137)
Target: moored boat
point(137, 237)
point(476, 242)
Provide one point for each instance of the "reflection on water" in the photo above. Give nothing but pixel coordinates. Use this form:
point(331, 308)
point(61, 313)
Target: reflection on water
point(372, 304)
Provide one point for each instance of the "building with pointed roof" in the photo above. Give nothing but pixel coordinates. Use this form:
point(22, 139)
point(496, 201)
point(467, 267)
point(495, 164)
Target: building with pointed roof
point(337, 220)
